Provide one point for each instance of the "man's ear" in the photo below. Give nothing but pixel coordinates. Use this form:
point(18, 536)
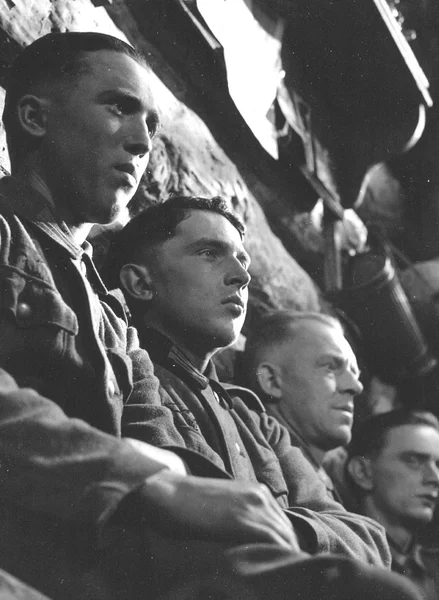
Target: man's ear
point(360, 469)
point(136, 281)
point(32, 115)
point(269, 379)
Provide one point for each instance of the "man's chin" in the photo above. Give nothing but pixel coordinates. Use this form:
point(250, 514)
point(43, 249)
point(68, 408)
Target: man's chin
point(114, 214)
point(419, 518)
point(341, 437)
point(224, 339)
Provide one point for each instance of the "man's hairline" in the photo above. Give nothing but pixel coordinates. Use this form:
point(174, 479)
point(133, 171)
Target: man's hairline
point(147, 249)
point(388, 431)
point(375, 453)
point(83, 67)
point(290, 336)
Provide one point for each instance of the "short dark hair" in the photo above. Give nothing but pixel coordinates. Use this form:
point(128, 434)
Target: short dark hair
point(271, 330)
point(154, 226)
point(369, 436)
point(54, 58)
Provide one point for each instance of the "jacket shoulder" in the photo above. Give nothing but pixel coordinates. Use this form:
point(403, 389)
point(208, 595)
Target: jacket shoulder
point(250, 399)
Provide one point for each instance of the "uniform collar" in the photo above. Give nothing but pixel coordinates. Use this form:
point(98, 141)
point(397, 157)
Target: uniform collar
point(31, 206)
point(165, 353)
point(410, 559)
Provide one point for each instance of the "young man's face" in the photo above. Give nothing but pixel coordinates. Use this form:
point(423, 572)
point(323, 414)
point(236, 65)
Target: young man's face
point(319, 379)
point(405, 476)
point(199, 283)
point(98, 138)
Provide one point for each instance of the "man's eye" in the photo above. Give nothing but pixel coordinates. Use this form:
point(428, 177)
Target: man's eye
point(117, 108)
point(208, 252)
point(152, 128)
point(413, 462)
point(120, 107)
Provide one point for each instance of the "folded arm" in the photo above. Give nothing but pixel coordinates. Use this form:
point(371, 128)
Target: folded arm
point(323, 525)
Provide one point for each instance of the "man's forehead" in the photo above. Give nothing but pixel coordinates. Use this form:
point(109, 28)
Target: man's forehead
point(320, 335)
point(116, 66)
point(202, 224)
point(420, 438)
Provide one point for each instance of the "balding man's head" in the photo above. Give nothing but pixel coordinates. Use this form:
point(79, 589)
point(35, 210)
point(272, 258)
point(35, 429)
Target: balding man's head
point(306, 371)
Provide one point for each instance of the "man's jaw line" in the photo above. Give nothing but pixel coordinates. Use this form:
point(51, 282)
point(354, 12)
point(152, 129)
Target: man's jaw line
point(199, 355)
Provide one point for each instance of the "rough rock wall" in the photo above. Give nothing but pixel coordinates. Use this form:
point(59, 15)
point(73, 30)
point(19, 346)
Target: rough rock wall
point(186, 158)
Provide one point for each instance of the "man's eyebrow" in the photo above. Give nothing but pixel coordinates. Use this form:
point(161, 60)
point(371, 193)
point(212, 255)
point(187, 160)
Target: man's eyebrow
point(219, 245)
point(118, 92)
point(122, 93)
point(340, 361)
point(415, 454)
point(153, 118)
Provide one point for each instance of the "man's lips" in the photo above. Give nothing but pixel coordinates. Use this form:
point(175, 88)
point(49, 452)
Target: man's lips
point(234, 299)
point(348, 408)
point(236, 303)
point(128, 171)
point(429, 498)
point(345, 412)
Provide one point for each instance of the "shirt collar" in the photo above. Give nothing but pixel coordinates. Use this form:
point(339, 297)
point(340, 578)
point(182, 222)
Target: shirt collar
point(30, 205)
point(412, 557)
point(165, 353)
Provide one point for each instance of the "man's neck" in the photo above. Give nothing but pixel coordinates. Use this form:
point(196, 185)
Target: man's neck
point(399, 534)
point(277, 410)
point(198, 359)
point(33, 179)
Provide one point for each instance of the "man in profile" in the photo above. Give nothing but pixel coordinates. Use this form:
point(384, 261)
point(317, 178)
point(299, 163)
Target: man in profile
point(393, 466)
point(184, 271)
point(307, 376)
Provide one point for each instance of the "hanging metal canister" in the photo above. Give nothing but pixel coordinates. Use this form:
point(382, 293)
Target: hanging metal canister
point(374, 300)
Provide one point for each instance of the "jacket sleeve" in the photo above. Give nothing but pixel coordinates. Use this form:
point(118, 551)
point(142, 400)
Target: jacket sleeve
point(322, 523)
point(63, 467)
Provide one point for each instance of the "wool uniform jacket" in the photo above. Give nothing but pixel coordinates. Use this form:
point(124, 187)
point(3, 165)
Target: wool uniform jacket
point(420, 565)
point(65, 338)
point(68, 365)
point(229, 426)
point(298, 440)
point(73, 382)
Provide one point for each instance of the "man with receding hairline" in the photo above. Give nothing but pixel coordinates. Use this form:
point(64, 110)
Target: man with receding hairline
point(307, 375)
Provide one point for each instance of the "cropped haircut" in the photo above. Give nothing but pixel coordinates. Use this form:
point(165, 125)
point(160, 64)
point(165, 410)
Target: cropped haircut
point(155, 225)
point(369, 436)
point(53, 58)
point(274, 329)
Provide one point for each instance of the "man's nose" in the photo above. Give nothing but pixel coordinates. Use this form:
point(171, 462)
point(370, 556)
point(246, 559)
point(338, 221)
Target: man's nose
point(350, 383)
point(238, 274)
point(138, 141)
point(431, 473)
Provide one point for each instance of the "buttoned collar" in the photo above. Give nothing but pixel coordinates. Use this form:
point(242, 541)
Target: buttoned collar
point(31, 206)
point(165, 353)
point(410, 559)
